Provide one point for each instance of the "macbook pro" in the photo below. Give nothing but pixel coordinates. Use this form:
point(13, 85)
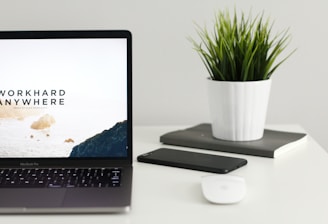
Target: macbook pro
point(65, 121)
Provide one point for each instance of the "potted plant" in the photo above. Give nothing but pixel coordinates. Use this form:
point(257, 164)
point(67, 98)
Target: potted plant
point(240, 56)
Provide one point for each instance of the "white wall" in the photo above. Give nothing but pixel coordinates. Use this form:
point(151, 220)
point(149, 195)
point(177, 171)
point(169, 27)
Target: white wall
point(169, 77)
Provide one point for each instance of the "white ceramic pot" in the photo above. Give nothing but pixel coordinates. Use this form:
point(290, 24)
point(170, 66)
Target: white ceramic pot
point(238, 109)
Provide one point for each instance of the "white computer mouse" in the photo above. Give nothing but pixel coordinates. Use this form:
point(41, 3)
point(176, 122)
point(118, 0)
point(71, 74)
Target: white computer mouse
point(223, 189)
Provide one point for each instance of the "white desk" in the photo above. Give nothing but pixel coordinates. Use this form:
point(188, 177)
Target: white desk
point(290, 189)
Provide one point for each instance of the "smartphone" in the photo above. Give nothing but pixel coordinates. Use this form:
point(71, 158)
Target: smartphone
point(192, 160)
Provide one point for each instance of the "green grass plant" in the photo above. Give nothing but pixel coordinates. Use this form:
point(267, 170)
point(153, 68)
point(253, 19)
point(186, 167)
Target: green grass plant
point(241, 49)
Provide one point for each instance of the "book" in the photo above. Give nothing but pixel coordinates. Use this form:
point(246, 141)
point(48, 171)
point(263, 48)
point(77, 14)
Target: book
point(271, 145)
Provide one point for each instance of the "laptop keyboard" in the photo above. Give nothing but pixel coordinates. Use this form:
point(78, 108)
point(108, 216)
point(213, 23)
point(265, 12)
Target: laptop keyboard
point(59, 178)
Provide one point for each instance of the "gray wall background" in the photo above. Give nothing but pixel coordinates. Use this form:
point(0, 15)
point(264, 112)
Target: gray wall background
point(169, 77)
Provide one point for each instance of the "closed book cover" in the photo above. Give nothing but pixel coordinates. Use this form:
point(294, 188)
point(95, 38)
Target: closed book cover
point(271, 145)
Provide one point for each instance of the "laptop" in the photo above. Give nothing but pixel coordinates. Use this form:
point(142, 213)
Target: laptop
point(65, 121)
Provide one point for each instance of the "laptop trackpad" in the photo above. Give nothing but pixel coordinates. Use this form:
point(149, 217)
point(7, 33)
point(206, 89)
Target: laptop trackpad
point(32, 198)
point(90, 197)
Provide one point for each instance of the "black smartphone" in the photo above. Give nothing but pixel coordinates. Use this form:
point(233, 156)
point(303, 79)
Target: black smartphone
point(192, 160)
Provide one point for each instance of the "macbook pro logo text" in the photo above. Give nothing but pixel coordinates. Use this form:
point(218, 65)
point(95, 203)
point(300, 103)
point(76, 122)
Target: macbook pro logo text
point(29, 164)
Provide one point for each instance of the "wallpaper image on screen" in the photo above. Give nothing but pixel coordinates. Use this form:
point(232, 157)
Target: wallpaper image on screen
point(63, 98)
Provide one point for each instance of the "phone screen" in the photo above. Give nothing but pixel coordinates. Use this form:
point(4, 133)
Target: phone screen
point(192, 160)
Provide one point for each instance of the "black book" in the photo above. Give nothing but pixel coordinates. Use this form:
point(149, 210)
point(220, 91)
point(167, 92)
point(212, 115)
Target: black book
point(272, 144)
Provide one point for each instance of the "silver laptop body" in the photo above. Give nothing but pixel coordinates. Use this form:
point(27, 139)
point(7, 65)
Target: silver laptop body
point(65, 110)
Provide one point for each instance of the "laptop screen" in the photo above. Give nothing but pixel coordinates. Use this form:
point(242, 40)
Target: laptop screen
point(64, 95)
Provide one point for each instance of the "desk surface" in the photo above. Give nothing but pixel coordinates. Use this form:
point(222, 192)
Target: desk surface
point(292, 188)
